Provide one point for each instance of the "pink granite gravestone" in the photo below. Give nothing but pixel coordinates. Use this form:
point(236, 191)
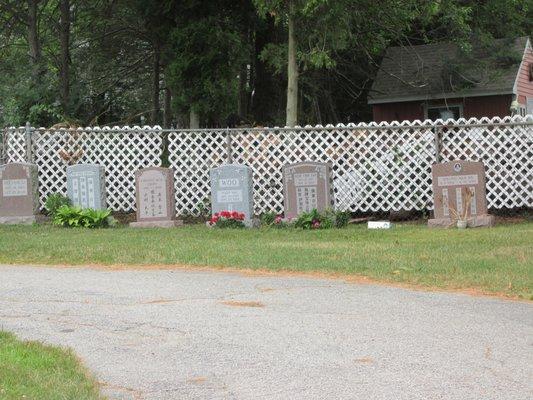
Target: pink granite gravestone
point(155, 198)
point(19, 195)
point(453, 183)
point(306, 186)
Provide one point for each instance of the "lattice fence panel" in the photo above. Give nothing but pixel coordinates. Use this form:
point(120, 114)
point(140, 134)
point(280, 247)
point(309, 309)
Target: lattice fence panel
point(15, 144)
point(120, 150)
point(374, 169)
point(505, 148)
point(192, 154)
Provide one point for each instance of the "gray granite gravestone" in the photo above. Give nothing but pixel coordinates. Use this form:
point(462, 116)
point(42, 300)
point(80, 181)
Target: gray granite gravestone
point(451, 181)
point(306, 186)
point(86, 186)
point(232, 190)
point(19, 194)
point(155, 198)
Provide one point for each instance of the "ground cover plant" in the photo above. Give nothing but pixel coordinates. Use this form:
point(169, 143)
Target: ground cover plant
point(54, 202)
point(30, 370)
point(308, 220)
point(498, 259)
point(77, 217)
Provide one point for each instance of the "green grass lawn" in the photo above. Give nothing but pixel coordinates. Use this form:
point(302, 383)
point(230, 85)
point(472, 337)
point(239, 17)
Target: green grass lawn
point(496, 260)
point(30, 370)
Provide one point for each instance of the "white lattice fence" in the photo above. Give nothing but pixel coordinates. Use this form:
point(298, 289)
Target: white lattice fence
point(120, 150)
point(506, 150)
point(376, 167)
point(192, 154)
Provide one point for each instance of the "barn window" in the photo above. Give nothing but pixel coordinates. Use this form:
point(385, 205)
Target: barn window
point(444, 113)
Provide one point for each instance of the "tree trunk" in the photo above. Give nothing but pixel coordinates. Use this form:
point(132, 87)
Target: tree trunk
point(194, 119)
point(167, 117)
point(242, 108)
point(64, 36)
point(33, 39)
point(292, 72)
point(155, 83)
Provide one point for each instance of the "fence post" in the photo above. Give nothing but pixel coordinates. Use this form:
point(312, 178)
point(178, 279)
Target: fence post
point(29, 152)
point(437, 141)
point(229, 146)
point(3, 146)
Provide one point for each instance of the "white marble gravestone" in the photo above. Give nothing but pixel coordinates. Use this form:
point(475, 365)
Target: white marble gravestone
point(232, 190)
point(86, 186)
point(155, 198)
point(306, 186)
point(19, 194)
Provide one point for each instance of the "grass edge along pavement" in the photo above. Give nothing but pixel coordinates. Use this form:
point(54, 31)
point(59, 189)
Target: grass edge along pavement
point(497, 260)
point(31, 370)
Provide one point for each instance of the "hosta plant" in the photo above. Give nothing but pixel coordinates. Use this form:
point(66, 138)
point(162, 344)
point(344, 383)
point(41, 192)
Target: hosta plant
point(54, 202)
point(77, 217)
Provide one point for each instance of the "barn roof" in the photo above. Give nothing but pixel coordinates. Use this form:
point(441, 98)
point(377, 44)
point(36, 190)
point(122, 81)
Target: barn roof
point(435, 71)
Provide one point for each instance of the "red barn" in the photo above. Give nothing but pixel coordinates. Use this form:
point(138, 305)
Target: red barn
point(434, 81)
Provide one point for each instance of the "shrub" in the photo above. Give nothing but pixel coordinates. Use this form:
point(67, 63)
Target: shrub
point(274, 220)
point(77, 217)
point(325, 220)
point(54, 202)
point(227, 219)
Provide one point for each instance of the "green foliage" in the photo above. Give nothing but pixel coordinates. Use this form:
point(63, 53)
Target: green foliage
point(326, 220)
point(31, 370)
point(268, 218)
point(204, 208)
point(274, 220)
point(76, 217)
point(215, 54)
point(54, 202)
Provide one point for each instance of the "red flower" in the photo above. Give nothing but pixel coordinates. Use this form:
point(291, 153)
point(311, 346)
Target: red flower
point(316, 224)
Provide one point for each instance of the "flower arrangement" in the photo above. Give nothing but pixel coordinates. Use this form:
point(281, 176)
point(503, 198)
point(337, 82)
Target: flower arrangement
point(227, 219)
point(308, 220)
point(461, 218)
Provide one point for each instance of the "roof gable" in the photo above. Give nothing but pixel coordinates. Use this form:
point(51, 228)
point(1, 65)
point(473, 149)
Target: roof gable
point(439, 71)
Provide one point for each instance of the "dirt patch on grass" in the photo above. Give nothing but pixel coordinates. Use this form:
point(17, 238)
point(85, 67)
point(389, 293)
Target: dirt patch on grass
point(243, 303)
point(248, 272)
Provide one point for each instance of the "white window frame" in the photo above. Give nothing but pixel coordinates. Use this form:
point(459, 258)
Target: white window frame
point(427, 107)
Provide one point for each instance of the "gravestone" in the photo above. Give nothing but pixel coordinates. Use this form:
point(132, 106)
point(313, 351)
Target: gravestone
point(86, 186)
point(155, 198)
point(306, 186)
point(232, 190)
point(19, 194)
point(453, 183)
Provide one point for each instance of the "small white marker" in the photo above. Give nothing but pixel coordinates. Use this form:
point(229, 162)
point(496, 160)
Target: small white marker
point(379, 225)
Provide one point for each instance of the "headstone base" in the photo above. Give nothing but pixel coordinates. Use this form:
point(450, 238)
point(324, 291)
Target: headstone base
point(24, 220)
point(473, 222)
point(157, 224)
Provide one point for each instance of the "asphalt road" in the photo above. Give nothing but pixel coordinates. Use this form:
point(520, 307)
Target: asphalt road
point(215, 335)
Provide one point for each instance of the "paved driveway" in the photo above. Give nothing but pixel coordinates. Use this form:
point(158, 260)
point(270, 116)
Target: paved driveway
point(213, 335)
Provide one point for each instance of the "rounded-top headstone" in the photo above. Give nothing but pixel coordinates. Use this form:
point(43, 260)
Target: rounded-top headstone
point(86, 186)
point(306, 186)
point(232, 190)
point(155, 198)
